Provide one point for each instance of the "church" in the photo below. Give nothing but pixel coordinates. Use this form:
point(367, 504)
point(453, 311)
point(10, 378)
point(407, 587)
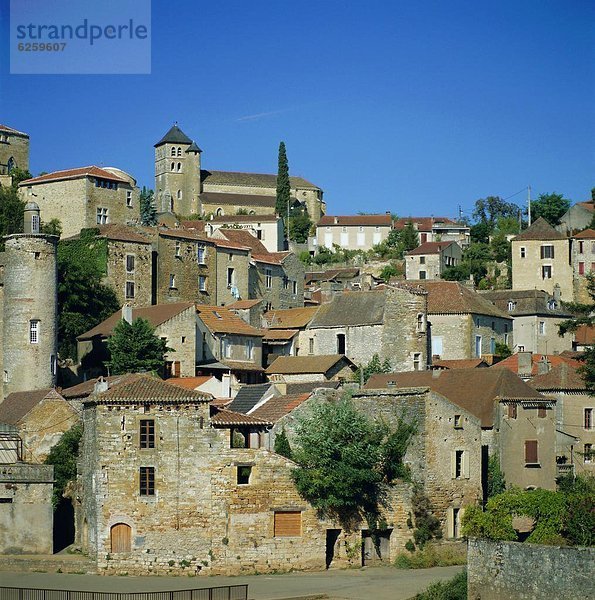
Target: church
point(184, 188)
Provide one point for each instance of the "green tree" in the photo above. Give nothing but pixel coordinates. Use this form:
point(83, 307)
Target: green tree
point(409, 237)
point(64, 457)
point(342, 458)
point(389, 271)
point(52, 227)
point(134, 347)
point(496, 481)
point(283, 183)
point(503, 350)
point(282, 445)
point(148, 211)
point(489, 210)
point(374, 366)
point(549, 206)
point(299, 225)
point(11, 212)
point(457, 273)
point(501, 248)
point(477, 257)
point(427, 526)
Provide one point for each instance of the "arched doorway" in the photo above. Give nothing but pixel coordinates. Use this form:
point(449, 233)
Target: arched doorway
point(120, 537)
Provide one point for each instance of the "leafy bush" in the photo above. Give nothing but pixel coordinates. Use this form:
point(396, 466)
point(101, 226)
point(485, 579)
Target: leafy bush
point(432, 556)
point(454, 589)
point(64, 456)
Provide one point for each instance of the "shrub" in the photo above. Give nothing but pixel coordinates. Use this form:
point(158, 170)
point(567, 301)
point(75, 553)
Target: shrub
point(453, 589)
point(432, 556)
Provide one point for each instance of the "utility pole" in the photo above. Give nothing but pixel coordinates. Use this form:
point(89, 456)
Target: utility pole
point(460, 213)
point(529, 204)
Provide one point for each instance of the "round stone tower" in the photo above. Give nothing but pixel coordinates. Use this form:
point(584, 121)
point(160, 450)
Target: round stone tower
point(30, 309)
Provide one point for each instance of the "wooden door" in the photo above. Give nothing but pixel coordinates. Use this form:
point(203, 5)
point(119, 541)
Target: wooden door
point(120, 534)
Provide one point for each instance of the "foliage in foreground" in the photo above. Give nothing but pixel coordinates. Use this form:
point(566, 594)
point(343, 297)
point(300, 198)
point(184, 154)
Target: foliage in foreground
point(347, 461)
point(432, 556)
point(374, 366)
point(453, 589)
point(64, 456)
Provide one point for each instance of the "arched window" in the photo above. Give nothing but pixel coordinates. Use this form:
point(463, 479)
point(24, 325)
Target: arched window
point(173, 151)
point(219, 212)
point(179, 151)
point(179, 194)
point(173, 166)
point(120, 537)
point(179, 167)
point(171, 205)
point(11, 164)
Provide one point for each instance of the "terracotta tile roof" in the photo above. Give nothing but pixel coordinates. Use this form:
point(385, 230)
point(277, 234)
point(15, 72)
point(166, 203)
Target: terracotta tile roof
point(156, 315)
point(244, 304)
point(472, 363)
point(13, 131)
point(251, 180)
point(90, 171)
point(146, 388)
point(290, 318)
point(271, 258)
point(279, 334)
point(589, 205)
point(238, 365)
point(426, 224)
point(227, 244)
point(526, 302)
point(220, 402)
point(430, 248)
point(295, 365)
point(220, 319)
point(185, 234)
point(539, 230)
point(356, 220)
point(512, 362)
point(193, 225)
point(351, 308)
point(245, 218)
point(231, 199)
point(84, 389)
point(122, 233)
point(18, 404)
point(475, 390)
point(245, 238)
point(228, 418)
point(189, 383)
point(586, 234)
point(561, 377)
point(279, 406)
point(451, 297)
point(585, 335)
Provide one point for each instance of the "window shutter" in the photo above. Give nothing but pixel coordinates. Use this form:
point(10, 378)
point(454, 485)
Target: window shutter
point(450, 523)
point(288, 524)
point(453, 464)
point(531, 452)
point(466, 464)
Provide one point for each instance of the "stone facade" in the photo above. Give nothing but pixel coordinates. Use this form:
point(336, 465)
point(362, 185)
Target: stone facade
point(431, 259)
point(576, 218)
point(497, 570)
point(583, 264)
point(14, 150)
point(234, 274)
point(357, 232)
point(279, 282)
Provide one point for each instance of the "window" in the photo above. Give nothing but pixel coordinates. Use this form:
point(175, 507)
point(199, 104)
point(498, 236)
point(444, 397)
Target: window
point(130, 289)
point(512, 411)
point(35, 223)
point(230, 276)
point(422, 260)
point(287, 524)
point(243, 476)
point(588, 418)
point(173, 151)
point(581, 246)
point(511, 305)
point(458, 463)
point(179, 194)
point(437, 345)
point(420, 322)
point(179, 151)
point(173, 166)
point(417, 361)
point(34, 332)
point(340, 343)
point(5, 376)
point(53, 364)
point(250, 349)
point(294, 287)
point(547, 251)
point(147, 433)
point(546, 272)
point(581, 268)
point(592, 247)
point(311, 346)
point(456, 522)
point(285, 282)
point(147, 481)
point(541, 412)
point(458, 422)
point(268, 278)
point(492, 345)
point(422, 274)
point(179, 167)
point(588, 453)
point(478, 346)
point(531, 454)
point(541, 327)
point(178, 248)
point(226, 348)
point(202, 283)
point(201, 254)
point(523, 252)
point(129, 263)
point(172, 281)
point(128, 198)
point(102, 216)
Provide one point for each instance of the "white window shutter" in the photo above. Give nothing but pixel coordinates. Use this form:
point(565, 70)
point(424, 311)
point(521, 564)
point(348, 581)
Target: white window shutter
point(453, 464)
point(466, 464)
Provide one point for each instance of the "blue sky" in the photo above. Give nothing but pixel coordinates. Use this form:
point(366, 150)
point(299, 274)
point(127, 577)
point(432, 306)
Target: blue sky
point(412, 107)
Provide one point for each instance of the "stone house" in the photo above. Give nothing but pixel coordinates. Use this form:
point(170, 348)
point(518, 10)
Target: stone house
point(576, 218)
point(536, 316)
point(248, 310)
point(430, 259)
point(353, 232)
point(41, 418)
point(541, 259)
point(297, 369)
point(281, 336)
point(464, 325)
point(389, 322)
point(233, 271)
point(177, 324)
point(583, 263)
point(575, 418)
point(268, 229)
point(437, 229)
point(14, 153)
point(228, 348)
point(84, 197)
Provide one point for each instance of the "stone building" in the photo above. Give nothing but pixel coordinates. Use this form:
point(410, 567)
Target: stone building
point(536, 317)
point(353, 232)
point(268, 229)
point(390, 322)
point(577, 218)
point(233, 271)
point(14, 152)
point(298, 369)
point(84, 197)
point(437, 229)
point(541, 259)
point(430, 259)
point(583, 264)
point(28, 299)
point(184, 188)
point(464, 325)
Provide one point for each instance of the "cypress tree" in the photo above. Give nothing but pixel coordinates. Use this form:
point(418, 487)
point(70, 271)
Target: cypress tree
point(283, 185)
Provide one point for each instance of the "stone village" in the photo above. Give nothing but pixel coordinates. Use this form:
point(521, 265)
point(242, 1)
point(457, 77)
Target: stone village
point(179, 473)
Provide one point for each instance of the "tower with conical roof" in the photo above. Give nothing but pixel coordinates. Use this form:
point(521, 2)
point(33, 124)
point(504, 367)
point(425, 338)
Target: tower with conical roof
point(177, 173)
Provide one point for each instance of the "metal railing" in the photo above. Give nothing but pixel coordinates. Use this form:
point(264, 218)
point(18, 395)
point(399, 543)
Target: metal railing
point(226, 592)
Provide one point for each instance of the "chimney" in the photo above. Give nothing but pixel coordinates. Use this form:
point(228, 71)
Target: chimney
point(557, 294)
point(101, 385)
point(543, 366)
point(127, 313)
point(525, 363)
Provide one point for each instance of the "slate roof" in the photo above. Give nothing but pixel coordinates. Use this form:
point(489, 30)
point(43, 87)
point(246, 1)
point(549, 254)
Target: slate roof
point(586, 234)
point(475, 390)
point(156, 315)
point(426, 224)
point(527, 302)
point(13, 131)
point(351, 309)
point(174, 136)
point(451, 297)
point(540, 230)
point(228, 418)
point(193, 148)
point(512, 362)
point(146, 388)
point(279, 406)
point(383, 220)
point(561, 377)
point(295, 365)
point(290, 318)
point(251, 180)
point(84, 389)
point(220, 319)
point(249, 396)
point(430, 248)
point(90, 171)
point(232, 199)
point(19, 404)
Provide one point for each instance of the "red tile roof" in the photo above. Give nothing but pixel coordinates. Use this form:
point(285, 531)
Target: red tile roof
point(589, 205)
point(426, 224)
point(84, 389)
point(90, 171)
point(586, 234)
point(512, 362)
point(189, 383)
point(245, 238)
point(290, 318)
point(244, 304)
point(18, 404)
point(279, 406)
point(295, 365)
point(356, 220)
point(220, 319)
point(271, 258)
point(472, 363)
point(561, 377)
point(193, 225)
point(540, 230)
point(244, 218)
point(228, 418)
point(279, 334)
point(430, 248)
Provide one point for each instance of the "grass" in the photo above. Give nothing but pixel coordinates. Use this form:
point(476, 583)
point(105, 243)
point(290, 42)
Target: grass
point(432, 556)
point(453, 589)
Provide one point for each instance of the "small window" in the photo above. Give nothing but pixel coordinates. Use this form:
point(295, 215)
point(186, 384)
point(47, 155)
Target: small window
point(226, 348)
point(173, 152)
point(285, 282)
point(172, 281)
point(178, 248)
point(541, 327)
point(541, 412)
point(511, 305)
point(35, 223)
point(130, 289)
point(179, 194)
point(179, 167)
point(250, 349)
point(34, 331)
point(512, 411)
point(420, 323)
point(592, 247)
point(179, 151)
point(523, 252)
point(458, 422)
point(546, 272)
point(102, 216)
point(230, 276)
point(268, 278)
point(588, 418)
point(202, 283)
point(129, 263)
point(147, 433)
point(581, 247)
point(458, 463)
point(588, 453)
point(5, 379)
point(147, 481)
point(244, 472)
point(422, 274)
point(201, 254)
point(417, 361)
point(128, 198)
point(547, 251)
point(531, 453)
point(294, 287)
point(287, 524)
point(422, 260)
point(311, 346)
point(581, 268)
point(173, 166)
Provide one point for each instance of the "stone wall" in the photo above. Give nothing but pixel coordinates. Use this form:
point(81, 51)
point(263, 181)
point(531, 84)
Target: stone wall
point(239, 261)
point(141, 275)
point(17, 148)
point(181, 333)
point(511, 570)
